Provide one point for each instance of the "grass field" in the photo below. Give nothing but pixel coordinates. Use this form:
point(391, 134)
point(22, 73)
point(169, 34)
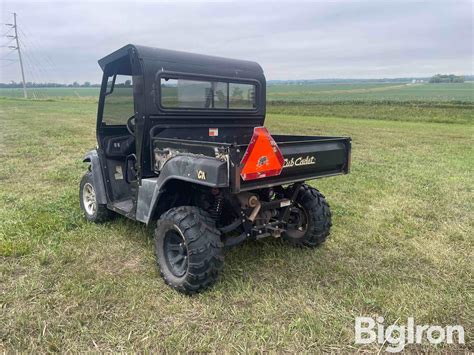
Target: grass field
point(401, 244)
point(323, 93)
point(45, 93)
point(434, 93)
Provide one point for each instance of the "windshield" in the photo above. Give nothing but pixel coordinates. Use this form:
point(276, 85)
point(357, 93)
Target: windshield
point(201, 94)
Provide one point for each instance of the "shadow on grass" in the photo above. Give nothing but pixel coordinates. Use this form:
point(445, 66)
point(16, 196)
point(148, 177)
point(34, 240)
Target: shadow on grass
point(254, 265)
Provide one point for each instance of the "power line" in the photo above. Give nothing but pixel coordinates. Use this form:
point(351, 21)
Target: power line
point(34, 70)
point(33, 73)
point(8, 64)
point(37, 63)
point(6, 45)
point(36, 47)
point(6, 55)
point(38, 56)
point(33, 59)
point(6, 33)
point(18, 49)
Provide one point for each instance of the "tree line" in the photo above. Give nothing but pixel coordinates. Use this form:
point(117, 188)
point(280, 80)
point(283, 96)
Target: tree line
point(446, 78)
point(86, 84)
point(438, 78)
point(30, 84)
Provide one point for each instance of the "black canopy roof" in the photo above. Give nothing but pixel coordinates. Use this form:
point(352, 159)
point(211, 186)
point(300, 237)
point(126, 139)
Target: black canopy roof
point(148, 64)
point(157, 57)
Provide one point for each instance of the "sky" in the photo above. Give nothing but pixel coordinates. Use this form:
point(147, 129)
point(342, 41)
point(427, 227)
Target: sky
point(62, 40)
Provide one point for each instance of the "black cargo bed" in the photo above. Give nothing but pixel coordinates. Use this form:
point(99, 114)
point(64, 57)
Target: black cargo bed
point(306, 158)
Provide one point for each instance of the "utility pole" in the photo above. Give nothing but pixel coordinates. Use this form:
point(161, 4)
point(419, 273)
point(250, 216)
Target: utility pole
point(14, 25)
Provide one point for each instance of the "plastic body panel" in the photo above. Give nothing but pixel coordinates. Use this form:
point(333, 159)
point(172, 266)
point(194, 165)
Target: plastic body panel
point(200, 170)
point(92, 157)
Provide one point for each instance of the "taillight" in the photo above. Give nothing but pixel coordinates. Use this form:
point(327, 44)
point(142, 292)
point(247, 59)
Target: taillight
point(262, 158)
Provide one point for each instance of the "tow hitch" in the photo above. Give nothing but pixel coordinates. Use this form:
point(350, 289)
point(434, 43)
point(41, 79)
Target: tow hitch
point(261, 219)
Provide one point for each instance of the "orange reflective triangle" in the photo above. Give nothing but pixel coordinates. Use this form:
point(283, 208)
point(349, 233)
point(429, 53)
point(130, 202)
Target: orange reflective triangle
point(262, 158)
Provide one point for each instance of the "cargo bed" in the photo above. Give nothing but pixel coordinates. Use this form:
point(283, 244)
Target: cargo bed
point(306, 158)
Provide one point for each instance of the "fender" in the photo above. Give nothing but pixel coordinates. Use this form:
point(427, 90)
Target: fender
point(92, 157)
point(205, 171)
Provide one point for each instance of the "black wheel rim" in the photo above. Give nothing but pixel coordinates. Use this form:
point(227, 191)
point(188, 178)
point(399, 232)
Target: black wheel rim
point(297, 222)
point(176, 252)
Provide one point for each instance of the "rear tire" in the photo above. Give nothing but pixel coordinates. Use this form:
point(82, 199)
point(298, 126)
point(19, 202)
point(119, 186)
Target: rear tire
point(311, 217)
point(93, 211)
point(188, 249)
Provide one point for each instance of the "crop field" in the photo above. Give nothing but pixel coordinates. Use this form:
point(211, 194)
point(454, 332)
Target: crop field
point(401, 244)
point(397, 92)
point(325, 93)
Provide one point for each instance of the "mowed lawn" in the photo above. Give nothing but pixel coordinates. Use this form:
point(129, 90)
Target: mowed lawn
point(401, 246)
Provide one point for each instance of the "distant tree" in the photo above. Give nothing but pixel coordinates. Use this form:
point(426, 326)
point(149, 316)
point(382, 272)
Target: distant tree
point(87, 84)
point(435, 79)
point(128, 83)
point(444, 78)
point(75, 84)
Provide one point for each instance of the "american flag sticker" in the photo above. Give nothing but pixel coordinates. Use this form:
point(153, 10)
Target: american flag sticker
point(213, 132)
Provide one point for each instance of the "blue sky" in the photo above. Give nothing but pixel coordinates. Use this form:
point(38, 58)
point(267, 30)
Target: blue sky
point(291, 40)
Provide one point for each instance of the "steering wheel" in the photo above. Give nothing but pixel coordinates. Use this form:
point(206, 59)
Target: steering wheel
point(131, 125)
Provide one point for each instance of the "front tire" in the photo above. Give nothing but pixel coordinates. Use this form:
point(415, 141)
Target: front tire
point(310, 219)
point(188, 249)
point(93, 211)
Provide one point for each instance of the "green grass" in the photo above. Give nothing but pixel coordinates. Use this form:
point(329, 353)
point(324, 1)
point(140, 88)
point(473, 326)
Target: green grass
point(415, 111)
point(44, 93)
point(329, 93)
point(401, 246)
point(432, 93)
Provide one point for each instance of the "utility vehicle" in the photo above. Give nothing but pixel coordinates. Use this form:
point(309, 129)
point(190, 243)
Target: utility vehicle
point(180, 141)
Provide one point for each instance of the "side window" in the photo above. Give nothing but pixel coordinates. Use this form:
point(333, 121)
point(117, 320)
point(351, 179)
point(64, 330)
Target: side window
point(185, 93)
point(241, 96)
point(202, 94)
point(118, 107)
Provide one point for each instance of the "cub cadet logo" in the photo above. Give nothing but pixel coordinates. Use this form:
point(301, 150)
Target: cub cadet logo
point(299, 161)
point(201, 175)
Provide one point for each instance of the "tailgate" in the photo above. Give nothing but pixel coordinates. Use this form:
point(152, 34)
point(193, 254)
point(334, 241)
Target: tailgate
point(305, 158)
